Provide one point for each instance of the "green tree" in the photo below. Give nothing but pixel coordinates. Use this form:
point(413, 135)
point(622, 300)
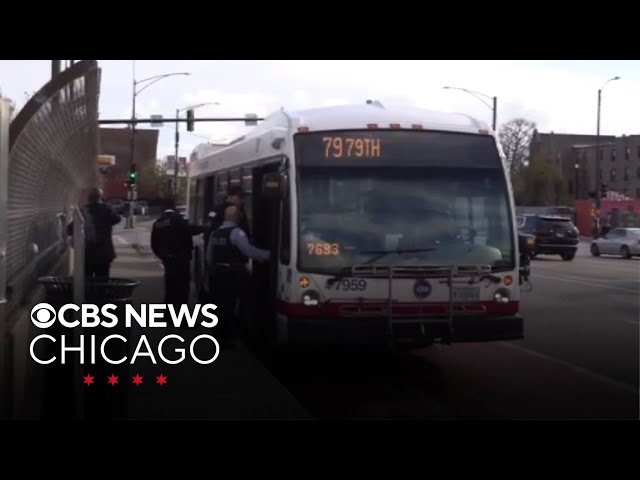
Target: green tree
point(150, 180)
point(515, 138)
point(543, 183)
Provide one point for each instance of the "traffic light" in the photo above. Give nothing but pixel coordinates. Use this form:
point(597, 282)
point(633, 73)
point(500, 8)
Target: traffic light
point(190, 117)
point(603, 191)
point(133, 174)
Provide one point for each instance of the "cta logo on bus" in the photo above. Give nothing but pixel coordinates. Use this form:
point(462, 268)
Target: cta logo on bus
point(422, 288)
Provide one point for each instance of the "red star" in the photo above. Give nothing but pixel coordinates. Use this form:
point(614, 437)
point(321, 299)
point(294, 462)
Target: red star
point(137, 380)
point(112, 380)
point(161, 379)
point(88, 379)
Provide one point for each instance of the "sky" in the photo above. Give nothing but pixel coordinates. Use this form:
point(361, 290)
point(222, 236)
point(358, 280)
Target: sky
point(560, 96)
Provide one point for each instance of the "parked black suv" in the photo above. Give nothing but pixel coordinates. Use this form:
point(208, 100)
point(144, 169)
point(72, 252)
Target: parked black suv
point(554, 235)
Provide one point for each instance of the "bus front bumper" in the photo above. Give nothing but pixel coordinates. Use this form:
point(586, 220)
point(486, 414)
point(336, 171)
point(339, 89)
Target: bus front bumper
point(356, 330)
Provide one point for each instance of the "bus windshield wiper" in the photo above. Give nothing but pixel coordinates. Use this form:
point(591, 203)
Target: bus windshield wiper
point(343, 273)
point(382, 253)
point(346, 271)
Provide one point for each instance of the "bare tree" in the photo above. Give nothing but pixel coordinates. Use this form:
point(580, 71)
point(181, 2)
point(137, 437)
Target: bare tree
point(515, 137)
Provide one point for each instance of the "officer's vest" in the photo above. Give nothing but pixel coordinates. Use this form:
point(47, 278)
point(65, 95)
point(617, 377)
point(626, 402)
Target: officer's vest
point(223, 250)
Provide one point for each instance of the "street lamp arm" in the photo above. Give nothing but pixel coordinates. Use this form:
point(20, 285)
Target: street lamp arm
point(199, 105)
point(610, 80)
point(478, 95)
point(162, 76)
point(474, 93)
point(155, 79)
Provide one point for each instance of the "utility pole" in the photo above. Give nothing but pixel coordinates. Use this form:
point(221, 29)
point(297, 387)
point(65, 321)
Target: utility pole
point(55, 68)
point(479, 96)
point(132, 130)
point(175, 167)
point(495, 113)
point(149, 81)
point(598, 179)
point(597, 175)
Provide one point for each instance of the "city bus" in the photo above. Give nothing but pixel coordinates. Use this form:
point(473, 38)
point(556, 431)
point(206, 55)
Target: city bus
point(385, 224)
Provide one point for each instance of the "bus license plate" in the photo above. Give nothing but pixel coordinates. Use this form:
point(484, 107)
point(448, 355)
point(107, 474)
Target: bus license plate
point(466, 294)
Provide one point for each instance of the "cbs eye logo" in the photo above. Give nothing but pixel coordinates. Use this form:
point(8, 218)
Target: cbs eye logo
point(43, 315)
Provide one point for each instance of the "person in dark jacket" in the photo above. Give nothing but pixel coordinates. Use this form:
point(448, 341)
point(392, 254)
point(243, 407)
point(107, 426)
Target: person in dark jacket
point(99, 221)
point(172, 243)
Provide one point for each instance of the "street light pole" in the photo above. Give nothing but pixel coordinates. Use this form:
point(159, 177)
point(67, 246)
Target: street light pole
point(495, 112)
point(175, 164)
point(598, 179)
point(597, 173)
point(136, 92)
point(175, 167)
point(478, 95)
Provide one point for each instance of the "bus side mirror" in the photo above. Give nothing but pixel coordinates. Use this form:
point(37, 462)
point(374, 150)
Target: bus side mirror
point(275, 185)
point(526, 245)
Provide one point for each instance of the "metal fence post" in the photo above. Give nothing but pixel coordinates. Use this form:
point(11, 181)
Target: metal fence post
point(5, 119)
point(78, 298)
point(78, 256)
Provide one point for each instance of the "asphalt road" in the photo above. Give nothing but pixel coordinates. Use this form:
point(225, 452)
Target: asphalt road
point(579, 359)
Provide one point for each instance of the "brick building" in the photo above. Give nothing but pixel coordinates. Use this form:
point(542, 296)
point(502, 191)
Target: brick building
point(117, 142)
point(619, 164)
point(575, 155)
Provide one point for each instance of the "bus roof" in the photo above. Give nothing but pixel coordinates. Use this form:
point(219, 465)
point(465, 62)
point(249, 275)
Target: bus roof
point(347, 117)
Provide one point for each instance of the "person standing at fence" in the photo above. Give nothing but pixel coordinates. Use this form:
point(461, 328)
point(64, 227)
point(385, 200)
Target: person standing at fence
point(172, 243)
point(99, 219)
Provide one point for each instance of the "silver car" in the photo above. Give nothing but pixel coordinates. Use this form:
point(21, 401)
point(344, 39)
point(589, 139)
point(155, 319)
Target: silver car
point(619, 241)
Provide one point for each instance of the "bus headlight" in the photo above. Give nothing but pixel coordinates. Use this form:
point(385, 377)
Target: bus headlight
point(501, 296)
point(311, 298)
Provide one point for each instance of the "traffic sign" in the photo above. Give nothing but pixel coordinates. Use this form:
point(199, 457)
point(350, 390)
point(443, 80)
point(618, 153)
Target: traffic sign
point(156, 121)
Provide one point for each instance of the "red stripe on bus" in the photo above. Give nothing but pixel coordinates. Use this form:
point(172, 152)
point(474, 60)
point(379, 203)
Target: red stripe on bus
point(335, 309)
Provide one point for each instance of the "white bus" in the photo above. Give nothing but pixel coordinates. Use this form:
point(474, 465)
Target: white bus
point(384, 223)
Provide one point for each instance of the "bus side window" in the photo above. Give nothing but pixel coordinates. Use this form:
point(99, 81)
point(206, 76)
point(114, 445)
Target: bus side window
point(285, 232)
point(246, 182)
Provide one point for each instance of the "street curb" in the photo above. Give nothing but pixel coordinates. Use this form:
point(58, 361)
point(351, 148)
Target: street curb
point(142, 250)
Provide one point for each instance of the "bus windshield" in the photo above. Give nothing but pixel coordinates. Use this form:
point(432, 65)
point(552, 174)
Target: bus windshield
point(428, 215)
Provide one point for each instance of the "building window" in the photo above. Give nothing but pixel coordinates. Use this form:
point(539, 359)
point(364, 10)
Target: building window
point(627, 153)
point(638, 192)
point(626, 174)
point(613, 154)
point(612, 175)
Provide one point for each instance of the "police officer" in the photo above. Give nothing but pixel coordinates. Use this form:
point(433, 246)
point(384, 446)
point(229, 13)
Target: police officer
point(227, 255)
point(234, 197)
point(172, 243)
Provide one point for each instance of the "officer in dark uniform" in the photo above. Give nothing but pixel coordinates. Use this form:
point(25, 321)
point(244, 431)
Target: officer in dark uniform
point(172, 242)
point(227, 255)
point(234, 197)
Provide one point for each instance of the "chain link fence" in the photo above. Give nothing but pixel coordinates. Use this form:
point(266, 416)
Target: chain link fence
point(50, 162)
point(53, 159)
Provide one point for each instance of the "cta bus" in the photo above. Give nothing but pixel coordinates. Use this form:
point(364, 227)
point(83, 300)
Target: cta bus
point(392, 224)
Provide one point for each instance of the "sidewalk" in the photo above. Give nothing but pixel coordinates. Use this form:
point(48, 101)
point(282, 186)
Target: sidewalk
point(234, 386)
